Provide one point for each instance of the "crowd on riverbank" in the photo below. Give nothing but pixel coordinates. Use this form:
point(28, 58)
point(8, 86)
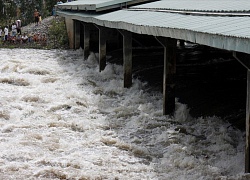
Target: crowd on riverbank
point(31, 35)
point(25, 38)
point(13, 35)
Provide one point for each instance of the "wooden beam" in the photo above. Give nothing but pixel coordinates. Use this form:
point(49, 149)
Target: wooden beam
point(169, 74)
point(127, 57)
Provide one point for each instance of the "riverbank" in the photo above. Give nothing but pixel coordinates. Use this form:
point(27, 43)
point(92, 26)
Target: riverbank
point(44, 34)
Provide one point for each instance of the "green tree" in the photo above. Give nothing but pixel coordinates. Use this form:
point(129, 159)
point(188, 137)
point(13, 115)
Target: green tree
point(57, 34)
point(11, 9)
point(49, 5)
point(27, 8)
point(8, 11)
point(1, 8)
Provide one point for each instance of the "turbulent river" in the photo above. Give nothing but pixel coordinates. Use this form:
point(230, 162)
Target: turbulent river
point(60, 118)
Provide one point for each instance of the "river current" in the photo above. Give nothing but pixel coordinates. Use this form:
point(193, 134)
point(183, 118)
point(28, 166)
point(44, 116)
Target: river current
point(60, 118)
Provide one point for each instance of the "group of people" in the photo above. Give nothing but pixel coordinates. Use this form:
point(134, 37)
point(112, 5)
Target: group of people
point(17, 38)
point(15, 30)
point(12, 34)
point(24, 38)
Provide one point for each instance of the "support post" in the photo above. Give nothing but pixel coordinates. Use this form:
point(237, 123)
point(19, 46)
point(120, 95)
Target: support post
point(244, 60)
point(102, 47)
point(182, 43)
point(247, 148)
point(127, 58)
point(77, 34)
point(169, 74)
point(86, 45)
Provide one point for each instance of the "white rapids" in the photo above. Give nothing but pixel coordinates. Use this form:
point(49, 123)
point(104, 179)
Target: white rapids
point(60, 118)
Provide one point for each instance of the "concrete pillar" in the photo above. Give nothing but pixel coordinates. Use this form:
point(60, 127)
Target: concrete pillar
point(169, 74)
point(127, 58)
point(70, 31)
point(247, 147)
point(102, 47)
point(77, 36)
point(244, 60)
point(182, 43)
point(86, 40)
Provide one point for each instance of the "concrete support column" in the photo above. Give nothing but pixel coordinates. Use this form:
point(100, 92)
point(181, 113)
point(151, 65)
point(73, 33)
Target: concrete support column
point(86, 40)
point(182, 43)
point(70, 31)
point(77, 33)
point(169, 74)
point(127, 58)
point(244, 60)
point(102, 47)
point(247, 148)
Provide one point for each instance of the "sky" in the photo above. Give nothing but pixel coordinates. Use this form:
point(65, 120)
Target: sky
point(60, 118)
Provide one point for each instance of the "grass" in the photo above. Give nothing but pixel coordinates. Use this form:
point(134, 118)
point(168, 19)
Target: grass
point(35, 45)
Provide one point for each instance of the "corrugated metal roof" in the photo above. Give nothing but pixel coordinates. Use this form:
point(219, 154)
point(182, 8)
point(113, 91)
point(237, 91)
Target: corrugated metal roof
point(98, 5)
point(224, 32)
point(226, 26)
point(199, 5)
point(230, 33)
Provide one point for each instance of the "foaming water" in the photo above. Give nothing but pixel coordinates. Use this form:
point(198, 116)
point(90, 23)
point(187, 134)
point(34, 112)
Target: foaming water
point(60, 118)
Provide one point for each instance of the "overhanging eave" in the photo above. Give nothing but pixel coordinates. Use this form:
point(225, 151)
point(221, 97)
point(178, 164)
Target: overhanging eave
point(231, 43)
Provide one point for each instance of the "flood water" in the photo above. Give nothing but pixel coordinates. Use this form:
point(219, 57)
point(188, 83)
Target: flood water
point(210, 81)
point(60, 118)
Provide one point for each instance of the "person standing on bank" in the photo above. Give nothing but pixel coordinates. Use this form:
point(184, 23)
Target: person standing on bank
point(36, 15)
point(18, 26)
point(13, 29)
point(6, 32)
point(40, 18)
point(54, 12)
point(1, 31)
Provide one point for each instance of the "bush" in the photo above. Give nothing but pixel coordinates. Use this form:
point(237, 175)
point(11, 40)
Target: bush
point(58, 34)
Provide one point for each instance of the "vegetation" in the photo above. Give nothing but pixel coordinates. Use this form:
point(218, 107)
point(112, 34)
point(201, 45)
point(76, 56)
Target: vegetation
point(10, 10)
point(58, 35)
point(55, 36)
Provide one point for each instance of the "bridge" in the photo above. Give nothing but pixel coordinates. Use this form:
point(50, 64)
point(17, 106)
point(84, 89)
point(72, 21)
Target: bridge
point(220, 24)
